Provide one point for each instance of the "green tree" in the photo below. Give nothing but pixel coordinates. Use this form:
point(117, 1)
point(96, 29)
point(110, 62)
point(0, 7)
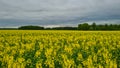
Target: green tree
point(106, 27)
point(80, 27)
point(93, 26)
point(84, 26)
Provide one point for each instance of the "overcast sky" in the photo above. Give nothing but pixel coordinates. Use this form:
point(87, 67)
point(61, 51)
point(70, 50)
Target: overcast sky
point(14, 13)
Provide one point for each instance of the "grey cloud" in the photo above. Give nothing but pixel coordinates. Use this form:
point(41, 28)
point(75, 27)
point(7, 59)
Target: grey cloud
point(58, 11)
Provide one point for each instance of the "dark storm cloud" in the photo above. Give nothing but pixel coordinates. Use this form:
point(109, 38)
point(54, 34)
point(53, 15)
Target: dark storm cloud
point(57, 12)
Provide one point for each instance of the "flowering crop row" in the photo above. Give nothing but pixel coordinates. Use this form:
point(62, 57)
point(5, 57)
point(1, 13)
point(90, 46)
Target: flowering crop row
point(59, 49)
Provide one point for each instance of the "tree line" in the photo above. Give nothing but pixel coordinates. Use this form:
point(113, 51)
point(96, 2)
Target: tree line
point(93, 26)
point(83, 26)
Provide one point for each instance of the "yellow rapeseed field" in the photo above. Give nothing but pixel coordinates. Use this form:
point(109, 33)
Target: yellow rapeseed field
point(59, 49)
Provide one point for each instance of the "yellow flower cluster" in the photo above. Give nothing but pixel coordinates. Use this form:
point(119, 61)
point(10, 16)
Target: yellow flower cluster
point(59, 49)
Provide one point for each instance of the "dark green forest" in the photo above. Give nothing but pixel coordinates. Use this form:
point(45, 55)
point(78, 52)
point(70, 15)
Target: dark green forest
point(83, 26)
point(93, 26)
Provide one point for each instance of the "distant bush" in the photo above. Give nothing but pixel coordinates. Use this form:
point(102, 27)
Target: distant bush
point(31, 27)
point(64, 28)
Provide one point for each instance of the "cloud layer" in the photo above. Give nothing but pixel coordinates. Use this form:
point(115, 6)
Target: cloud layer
point(57, 12)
